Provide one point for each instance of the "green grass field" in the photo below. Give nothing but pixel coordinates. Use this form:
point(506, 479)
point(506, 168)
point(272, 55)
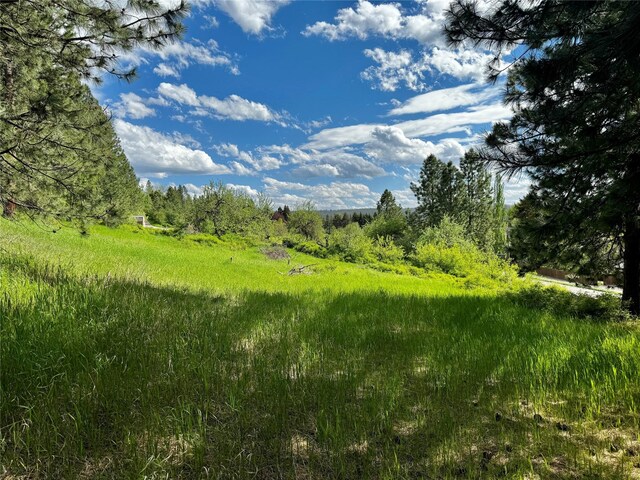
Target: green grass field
point(126, 354)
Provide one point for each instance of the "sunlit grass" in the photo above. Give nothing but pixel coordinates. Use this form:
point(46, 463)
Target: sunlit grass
point(146, 356)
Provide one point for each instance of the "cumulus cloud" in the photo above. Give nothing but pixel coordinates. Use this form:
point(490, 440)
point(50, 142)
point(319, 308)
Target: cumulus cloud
point(399, 69)
point(422, 22)
point(253, 16)
point(180, 93)
point(461, 64)
point(331, 163)
point(132, 106)
point(332, 195)
point(393, 69)
point(253, 162)
point(246, 189)
point(155, 154)
point(389, 144)
point(385, 20)
point(233, 107)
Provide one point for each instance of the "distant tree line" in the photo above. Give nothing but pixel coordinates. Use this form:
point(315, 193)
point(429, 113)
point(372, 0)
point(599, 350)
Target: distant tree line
point(458, 227)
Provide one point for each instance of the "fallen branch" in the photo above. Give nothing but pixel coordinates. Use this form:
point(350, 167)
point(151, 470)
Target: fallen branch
point(300, 270)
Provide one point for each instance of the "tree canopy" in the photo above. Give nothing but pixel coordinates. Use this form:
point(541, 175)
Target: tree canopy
point(464, 196)
point(55, 142)
point(574, 88)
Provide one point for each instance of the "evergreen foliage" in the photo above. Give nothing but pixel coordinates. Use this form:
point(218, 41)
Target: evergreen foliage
point(389, 221)
point(575, 91)
point(57, 151)
point(464, 196)
point(439, 192)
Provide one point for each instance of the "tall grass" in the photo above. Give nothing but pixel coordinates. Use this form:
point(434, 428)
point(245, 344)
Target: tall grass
point(128, 355)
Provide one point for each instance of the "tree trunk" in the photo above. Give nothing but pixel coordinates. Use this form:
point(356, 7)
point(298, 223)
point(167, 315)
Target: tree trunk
point(631, 290)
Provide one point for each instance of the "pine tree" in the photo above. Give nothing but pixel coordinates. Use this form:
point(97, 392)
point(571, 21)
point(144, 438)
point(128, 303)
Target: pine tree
point(389, 220)
point(575, 93)
point(439, 192)
point(477, 202)
point(500, 219)
point(48, 147)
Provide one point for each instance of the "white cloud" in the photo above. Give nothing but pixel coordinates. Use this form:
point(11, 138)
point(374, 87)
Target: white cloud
point(461, 64)
point(247, 190)
point(180, 93)
point(233, 107)
point(341, 136)
point(185, 139)
point(446, 99)
point(253, 16)
point(389, 144)
point(396, 69)
point(367, 19)
point(212, 22)
point(193, 190)
point(155, 154)
point(333, 195)
point(132, 106)
point(433, 125)
point(405, 197)
point(331, 163)
point(186, 53)
point(515, 188)
point(421, 21)
point(393, 70)
point(456, 121)
point(258, 163)
point(241, 169)
point(165, 70)
point(321, 170)
point(178, 55)
point(319, 123)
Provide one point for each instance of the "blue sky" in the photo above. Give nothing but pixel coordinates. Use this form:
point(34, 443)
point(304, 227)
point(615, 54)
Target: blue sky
point(325, 101)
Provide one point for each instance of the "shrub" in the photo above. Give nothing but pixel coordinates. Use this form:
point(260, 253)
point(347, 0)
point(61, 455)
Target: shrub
point(445, 249)
point(311, 248)
point(605, 307)
point(351, 244)
point(455, 260)
point(387, 225)
point(385, 249)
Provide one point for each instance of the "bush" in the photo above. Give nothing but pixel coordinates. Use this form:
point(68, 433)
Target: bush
point(605, 307)
point(385, 249)
point(456, 260)
point(311, 248)
point(387, 225)
point(351, 244)
point(445, 249)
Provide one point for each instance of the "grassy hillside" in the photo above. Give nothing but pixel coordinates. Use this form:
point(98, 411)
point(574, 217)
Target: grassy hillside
point(131, 355)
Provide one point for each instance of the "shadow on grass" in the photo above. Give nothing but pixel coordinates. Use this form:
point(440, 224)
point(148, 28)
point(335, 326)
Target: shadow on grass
point(114, 379)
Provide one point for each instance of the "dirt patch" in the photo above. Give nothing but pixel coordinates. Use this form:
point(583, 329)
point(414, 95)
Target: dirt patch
point(275, 253)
